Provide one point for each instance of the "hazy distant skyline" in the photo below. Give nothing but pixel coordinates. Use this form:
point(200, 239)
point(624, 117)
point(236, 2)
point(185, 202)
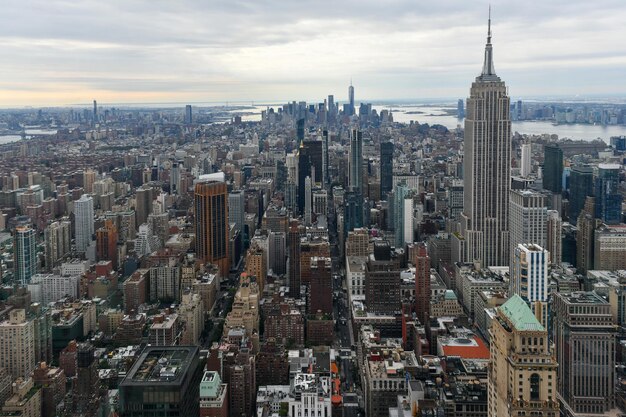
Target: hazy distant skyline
point(63, 52)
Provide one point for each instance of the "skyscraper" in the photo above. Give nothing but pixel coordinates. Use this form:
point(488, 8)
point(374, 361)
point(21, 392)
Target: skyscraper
point(237, 212)
point(528, 217)
point(529, 278)
point(386, 169)
point(487, 177)
point(188, 114)
point(525, 168)
point(212, 231)
point(608, 197)
point(143, 204)
point(460, 109)
point(553, 168)
point(24, 254)
point(308, 204)
point(83, 222)
point(403, 215)
point(355, 179)
point(17, 347)
point(554, 236)
point(58, 241)
point(95, 111)
point(522, 371)
point(585, 350)
point(580, 187)
point(351, 97)
point(422, 284)
point(325, 161)
point(309, 164)
point(321, 286)
point(106, 242)
point(293, 236)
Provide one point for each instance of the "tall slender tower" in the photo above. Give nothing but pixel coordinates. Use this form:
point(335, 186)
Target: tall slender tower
point(386, 169)
point(351, 97)
point(325, 166)
point(487, 176)
point(24, 254)
point(83, 222)
point(422, 284)
point(356, 161)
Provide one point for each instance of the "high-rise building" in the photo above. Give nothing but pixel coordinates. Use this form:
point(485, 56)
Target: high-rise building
point(351, 98)
point(527, 216)
point(293, 236)
point(422, 284)
point(95, 111)
point(188, 114)
point(89, 177)
point(553, 168)
point(237, 212)
point(58, 241)
point(382, 280)
point(212, 231)
point(386, 169)
point(173, 390)
point(353, 211)
point(24, 254)
point(106, 242)
point(355, 180)
point(580, 187)
point(486, 165)
point(213, 396)
point(608, 196)
point(83, 222)
point(308, 204)
point(325, 161)
point(277, 242)
point(517, 388)
point(17, 344)
point(309, 165)
point(585, 242)
point(143, 204)
point(585, 351)
point(609, 247)
point(529, 278)
point(321, 286)
point(554, 237)
point(460, 109)
point(526, 162)
point(320, 202)
point(403, 215)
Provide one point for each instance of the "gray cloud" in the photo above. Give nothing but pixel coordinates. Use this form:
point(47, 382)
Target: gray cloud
point(258, 50)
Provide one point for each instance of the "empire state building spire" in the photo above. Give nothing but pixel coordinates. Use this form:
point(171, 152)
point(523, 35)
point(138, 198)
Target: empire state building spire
point(489, 72)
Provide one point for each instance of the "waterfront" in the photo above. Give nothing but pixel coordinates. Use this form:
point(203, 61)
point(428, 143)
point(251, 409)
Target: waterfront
point(441, 115)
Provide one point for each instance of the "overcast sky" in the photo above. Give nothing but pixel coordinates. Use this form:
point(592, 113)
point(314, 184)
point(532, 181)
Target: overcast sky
point(123, 51)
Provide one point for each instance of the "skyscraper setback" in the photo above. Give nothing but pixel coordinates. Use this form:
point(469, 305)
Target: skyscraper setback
point(487, 177)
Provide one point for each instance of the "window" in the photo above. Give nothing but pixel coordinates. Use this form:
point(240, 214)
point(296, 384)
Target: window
point(535, 382)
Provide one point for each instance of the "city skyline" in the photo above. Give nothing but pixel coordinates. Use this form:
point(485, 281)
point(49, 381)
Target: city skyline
point(192, 52)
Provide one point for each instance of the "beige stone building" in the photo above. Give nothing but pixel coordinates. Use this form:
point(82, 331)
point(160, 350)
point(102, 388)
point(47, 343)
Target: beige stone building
point(17, 344)
point(523, 370)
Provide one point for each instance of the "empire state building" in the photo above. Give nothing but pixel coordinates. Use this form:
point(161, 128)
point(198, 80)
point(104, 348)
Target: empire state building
point(486, 168)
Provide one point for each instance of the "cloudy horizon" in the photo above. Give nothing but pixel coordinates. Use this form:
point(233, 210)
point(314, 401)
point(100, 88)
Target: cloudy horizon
point(63, 52)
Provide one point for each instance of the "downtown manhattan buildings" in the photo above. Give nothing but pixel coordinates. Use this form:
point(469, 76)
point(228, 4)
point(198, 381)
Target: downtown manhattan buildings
point(313, 260)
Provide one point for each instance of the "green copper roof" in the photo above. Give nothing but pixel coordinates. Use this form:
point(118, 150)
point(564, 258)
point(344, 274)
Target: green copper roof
point(520, 315)
point(449, 295)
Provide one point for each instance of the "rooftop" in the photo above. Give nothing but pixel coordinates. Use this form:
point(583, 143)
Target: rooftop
point(582, 297)
point(162, 365)
point(520, 315)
